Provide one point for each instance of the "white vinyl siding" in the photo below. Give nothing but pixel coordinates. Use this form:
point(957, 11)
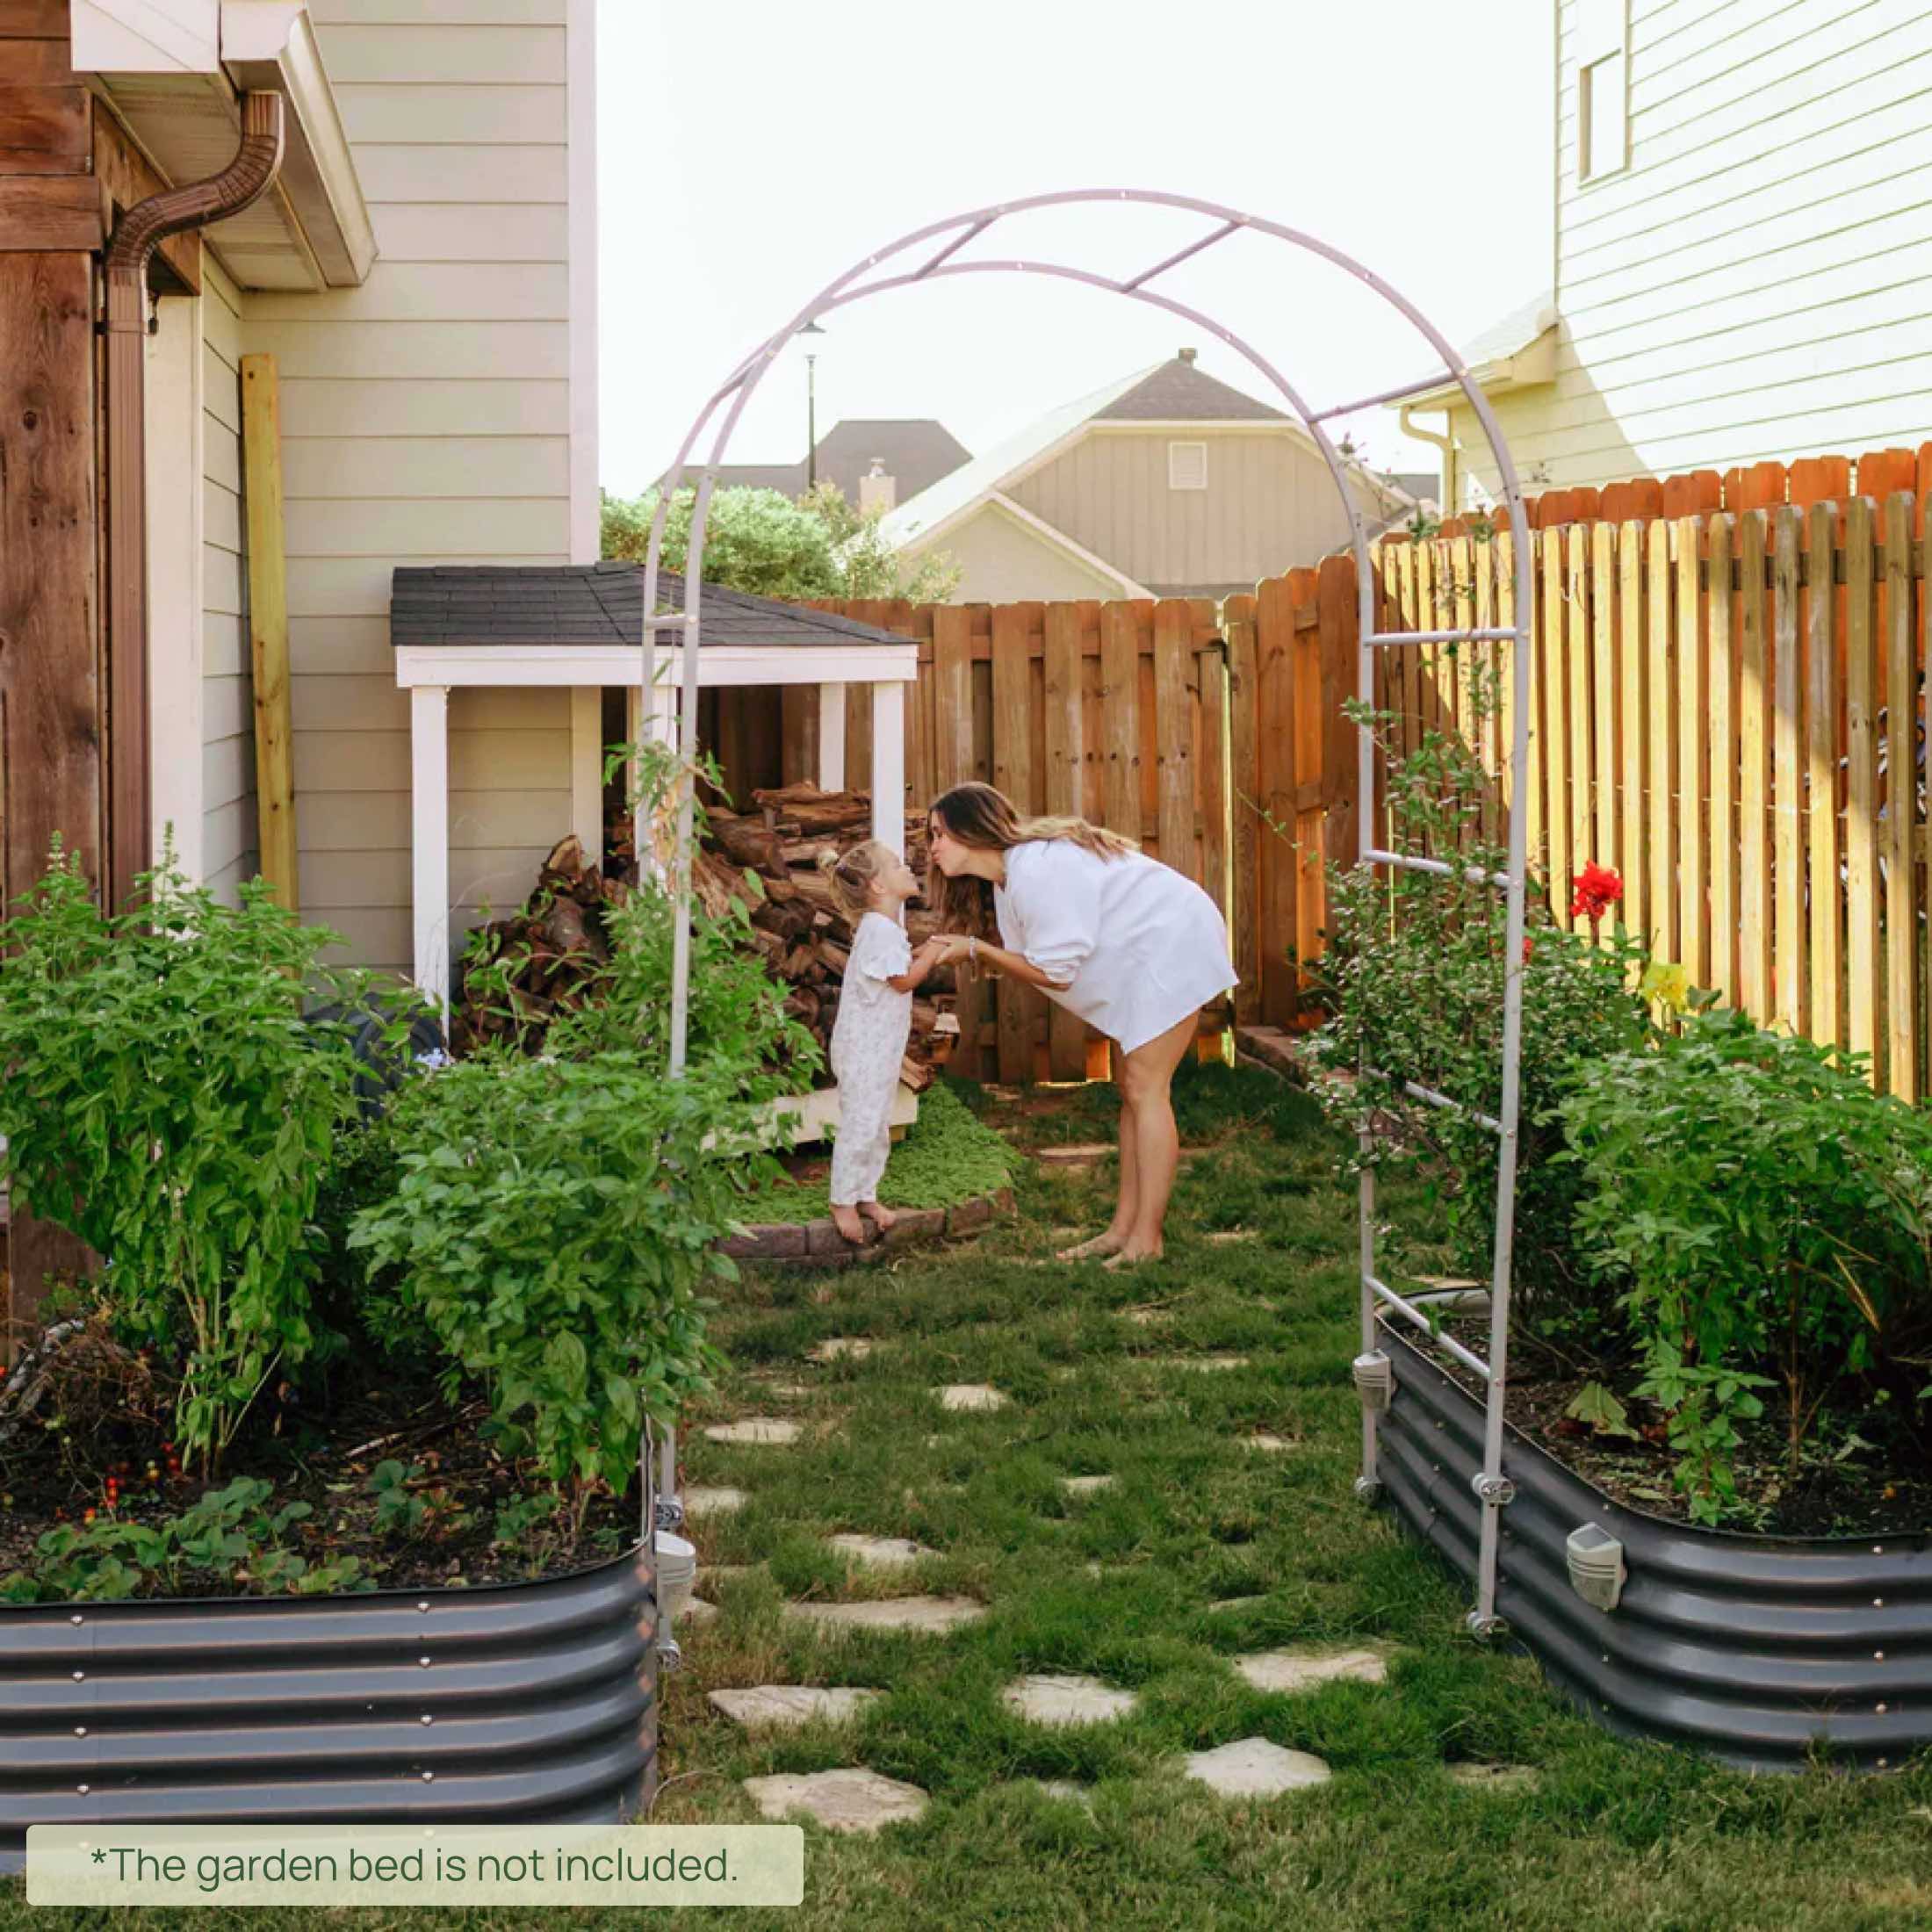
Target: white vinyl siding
point(1757, 285)
point(229, 839)
point(426, 420)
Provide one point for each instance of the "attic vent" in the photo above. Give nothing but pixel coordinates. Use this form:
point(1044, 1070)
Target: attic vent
point(1188, 466)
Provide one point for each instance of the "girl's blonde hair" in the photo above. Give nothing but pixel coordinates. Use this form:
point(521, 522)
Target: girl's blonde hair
point(983, 816)
point(853, 872)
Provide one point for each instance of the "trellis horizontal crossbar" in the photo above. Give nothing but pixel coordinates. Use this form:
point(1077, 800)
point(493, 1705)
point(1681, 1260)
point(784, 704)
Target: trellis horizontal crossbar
point(1444, 636)
point(1442, 1102)
point(1408, 862)
point(1386, 395)
point(1410, 1312)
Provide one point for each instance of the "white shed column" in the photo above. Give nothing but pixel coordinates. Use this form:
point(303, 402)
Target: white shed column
point(888, 766)
point(429, 803)
point(831, 737)
point(586, 769)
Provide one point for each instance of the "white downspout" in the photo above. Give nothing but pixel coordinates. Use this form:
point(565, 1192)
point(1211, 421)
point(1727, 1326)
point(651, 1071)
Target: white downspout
point(1452, 482)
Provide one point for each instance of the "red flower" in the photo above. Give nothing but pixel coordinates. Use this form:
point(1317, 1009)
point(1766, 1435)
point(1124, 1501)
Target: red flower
point(1529, 947)
point(1597, 890)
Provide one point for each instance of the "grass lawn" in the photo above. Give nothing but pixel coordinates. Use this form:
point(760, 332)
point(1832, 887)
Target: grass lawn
point(1202, 1548)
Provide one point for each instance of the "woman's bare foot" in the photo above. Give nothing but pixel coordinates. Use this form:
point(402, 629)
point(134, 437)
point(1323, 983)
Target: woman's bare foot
point(1108, 1243)
point(846, 1220)
point(882, 1218)
point(1131, 1257)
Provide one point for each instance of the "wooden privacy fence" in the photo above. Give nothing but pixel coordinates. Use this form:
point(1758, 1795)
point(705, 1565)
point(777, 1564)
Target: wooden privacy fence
point(1728, 709)
point(1136, 714)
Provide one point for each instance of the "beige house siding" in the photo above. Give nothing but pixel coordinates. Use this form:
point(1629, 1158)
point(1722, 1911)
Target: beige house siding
point(1003, 561)
point(229, 852)
point(1268, 505)
point(427, 419)
point(1757, 284)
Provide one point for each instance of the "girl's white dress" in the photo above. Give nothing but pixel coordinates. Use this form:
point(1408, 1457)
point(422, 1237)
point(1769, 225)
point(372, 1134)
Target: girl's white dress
point(868, 1040)
point(1132, 946)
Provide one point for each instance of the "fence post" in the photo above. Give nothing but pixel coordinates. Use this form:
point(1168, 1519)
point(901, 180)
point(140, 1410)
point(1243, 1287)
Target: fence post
point(1274, 739)
point(1237, 617)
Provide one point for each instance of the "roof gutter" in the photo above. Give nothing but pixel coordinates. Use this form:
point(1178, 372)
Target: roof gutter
point(140, 231)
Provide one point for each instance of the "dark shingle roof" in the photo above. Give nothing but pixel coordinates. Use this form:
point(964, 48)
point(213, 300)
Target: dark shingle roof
point(1178, 392)
point(590, 603)
point(915, 450)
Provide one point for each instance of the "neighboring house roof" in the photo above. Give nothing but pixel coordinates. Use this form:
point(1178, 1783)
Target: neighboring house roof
point(590, 603)
point(1171, 392)
point(916, 451)
point(1514, 352)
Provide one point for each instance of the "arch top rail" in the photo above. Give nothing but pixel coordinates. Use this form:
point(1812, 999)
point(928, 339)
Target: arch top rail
point(1493, 636)
point(1435, 381)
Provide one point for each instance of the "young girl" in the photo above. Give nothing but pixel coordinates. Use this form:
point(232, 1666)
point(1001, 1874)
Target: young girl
point(871, 884)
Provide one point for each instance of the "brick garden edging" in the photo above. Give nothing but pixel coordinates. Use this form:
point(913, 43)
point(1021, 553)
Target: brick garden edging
point(819, 1244)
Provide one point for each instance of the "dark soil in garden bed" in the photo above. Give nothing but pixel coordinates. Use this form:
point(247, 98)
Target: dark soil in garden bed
point(1865, 1492)
point(466, 1533)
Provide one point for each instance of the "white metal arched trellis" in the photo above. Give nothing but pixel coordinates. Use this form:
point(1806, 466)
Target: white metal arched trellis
point(948, 239)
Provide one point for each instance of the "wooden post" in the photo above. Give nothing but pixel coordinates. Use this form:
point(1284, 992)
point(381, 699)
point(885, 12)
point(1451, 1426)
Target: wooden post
point(1754, 774)
point(268, 629)
point(1066, 750)
point(1824, 694)
point(1862, 701)
point(1904, 713)
point(1021, 1009)
point(1243, 701)
point(1787, 823)
point(831, 737)
point(1278, 793)
point(952, 765)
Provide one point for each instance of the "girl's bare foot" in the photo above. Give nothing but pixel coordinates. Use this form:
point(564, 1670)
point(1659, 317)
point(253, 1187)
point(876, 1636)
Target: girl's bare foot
point(1130, 1256)
point(846, 1220)
point(881, 1218)
point(1108, 1243)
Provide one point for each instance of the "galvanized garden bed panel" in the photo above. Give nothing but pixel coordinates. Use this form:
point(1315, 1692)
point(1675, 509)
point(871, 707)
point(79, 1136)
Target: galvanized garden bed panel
point(511, 1702)
point(1763, 1651)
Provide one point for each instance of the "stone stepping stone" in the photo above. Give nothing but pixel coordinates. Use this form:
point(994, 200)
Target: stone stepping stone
point(699, 1501)
point(1224, 1235)
point(848, 1801)
point(697, 1611)
point(1204, 1363)
point(840, 1348)
point(1062, 1788)
point(1084, 1153)
point(970, 1397)
point(1302, 1669)
point(928, 1615)
point(1063, 1701)
point(727, 1573)
point(789, 1392)
point(1271, 1445)
point(1085, 1485)
point(1502, 1777)
point(760, 1429)
point(1228, 1605)
point(1146, 1317)
point(880, 1551)
point(785, 1707)
point(1251, 1767)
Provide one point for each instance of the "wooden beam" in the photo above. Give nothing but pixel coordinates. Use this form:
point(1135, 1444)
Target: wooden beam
point(52, 214)
point(44, 130)
point(268, 628)
point(50, 697)
point(33, 20)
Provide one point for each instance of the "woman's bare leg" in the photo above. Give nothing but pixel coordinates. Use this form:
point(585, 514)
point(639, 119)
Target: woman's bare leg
point(1126, 1202)
point(1146, 1080)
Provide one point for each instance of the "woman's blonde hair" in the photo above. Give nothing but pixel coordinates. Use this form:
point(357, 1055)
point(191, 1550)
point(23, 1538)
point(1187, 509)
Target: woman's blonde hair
point(983, 816)
point(853, 872)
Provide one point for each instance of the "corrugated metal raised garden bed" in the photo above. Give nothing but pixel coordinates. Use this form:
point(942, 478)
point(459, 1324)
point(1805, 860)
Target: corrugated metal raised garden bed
point(511, 1702)
point(1769, 1653)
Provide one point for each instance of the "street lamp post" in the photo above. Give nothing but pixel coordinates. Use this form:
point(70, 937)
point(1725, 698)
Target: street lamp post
point(810, 331)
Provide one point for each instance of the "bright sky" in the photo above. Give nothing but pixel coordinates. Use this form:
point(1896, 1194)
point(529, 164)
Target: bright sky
point(751, 153)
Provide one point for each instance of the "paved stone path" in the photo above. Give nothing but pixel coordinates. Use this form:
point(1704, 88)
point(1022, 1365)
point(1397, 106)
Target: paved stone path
point(1059, 1700)
point(970, 1397)
point(851, 1800)
point(1251, 1767)
point(931, 1616)
point(785, 1707)
point(880, 1551)
point(1303, 1668)
point(758, 1429)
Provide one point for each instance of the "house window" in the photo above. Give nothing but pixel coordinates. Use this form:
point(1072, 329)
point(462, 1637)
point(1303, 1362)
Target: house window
point(1602, 52)
point(1188, 466)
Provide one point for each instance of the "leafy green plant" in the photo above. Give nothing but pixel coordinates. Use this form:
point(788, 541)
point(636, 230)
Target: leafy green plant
point(553, 1226)
point(1772, 1218)
point(164, 1100)
point(398, 1507)
point(1415, 975)
point(230, 1534)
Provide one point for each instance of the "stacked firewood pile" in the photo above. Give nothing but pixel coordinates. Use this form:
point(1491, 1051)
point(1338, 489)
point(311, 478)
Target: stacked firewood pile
point(552, 947)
